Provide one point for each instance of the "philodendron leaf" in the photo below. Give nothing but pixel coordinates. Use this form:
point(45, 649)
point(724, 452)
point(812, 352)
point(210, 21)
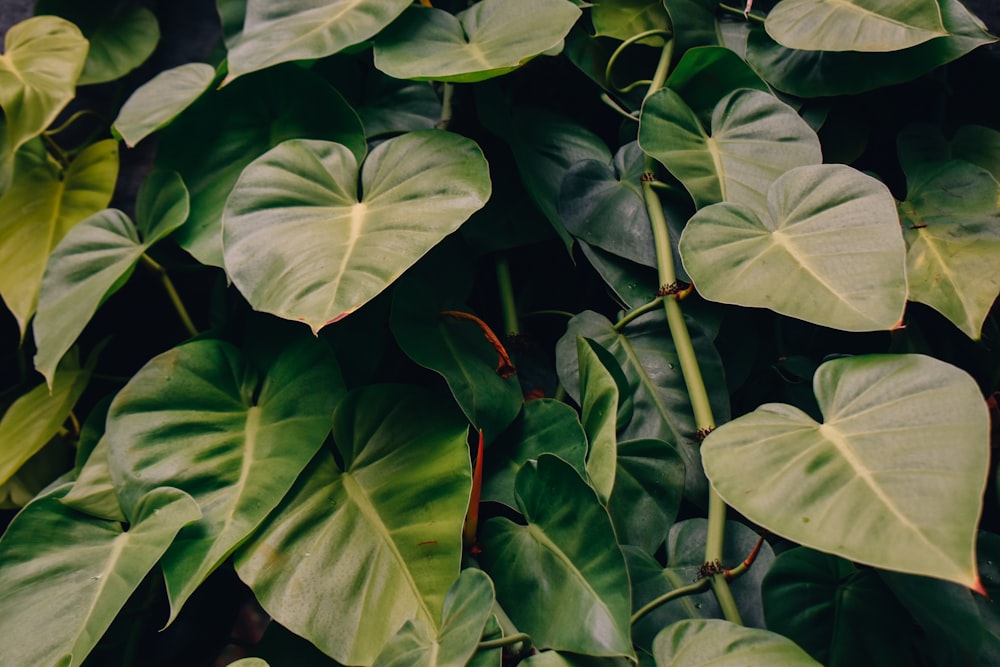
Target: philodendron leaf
point(854, 25)
point(93, 490)
point(567, 557)
point(301, 243)
point(36, 417)
point(43, 203)
point(489, 39)
point(706, 74)
point(43, 57)
point(921, 143)
point(872, 483)
point(649, 485)
point(623, 19)
point(158, 101)
point(951, 224)
point(378, 542)
point(285, 30)
point(94, 260)
point(68, 575)
point(717, 643)
point(754, 138)
point(599, 407)
point(200, 417)
point(827, 250)
point(467, 608)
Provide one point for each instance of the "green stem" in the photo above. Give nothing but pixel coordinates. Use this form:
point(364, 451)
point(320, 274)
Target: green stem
point(608, 100)
point(175, 298)
point(506, 287)
point(690, 589)
point(621, 49)
point(447, 95)
point(751, 16)
point(637, 312)
point(512, 640)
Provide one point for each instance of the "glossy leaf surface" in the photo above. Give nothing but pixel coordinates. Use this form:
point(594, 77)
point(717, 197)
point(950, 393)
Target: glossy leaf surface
point(649, 485)
point(158, 101)
point(202, 418)
point(566, 557)
point(93, 491)
point(828, 250)
point(704, 642)
point(872, 483)
point(625, 18)
point(599, 396)
point(378, 542)
point(488, 39)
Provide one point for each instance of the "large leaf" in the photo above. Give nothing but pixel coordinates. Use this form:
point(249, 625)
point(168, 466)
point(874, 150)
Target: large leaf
point(598, 412)
point(623, 19)
point(706, 74)
point(221, 133)
point(43, 57)
point(649, 484)
point(64, 576)
point(872, 483)
point(754, 138)
point(489, 39)
point(828, 250)
point(93, 490)
point(951, 224)
point(158, 101)
point(36, 417)
point(854, 25)
point(284, 30)
point(201, 418)
point(922, 143)
point(566, 557)
point(345, 237)
point(376, 542)
point(717, 643)
point(43, 203)
point(467, 608)
point(94, 260)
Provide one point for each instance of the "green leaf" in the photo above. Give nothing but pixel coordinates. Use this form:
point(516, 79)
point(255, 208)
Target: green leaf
point(211, 143)
point(827, 250)
point(695, 23)
point(93, 490)
point(567, 557)
point(43, 57)
point(647, 494)
point(94, 260)
point(36, 417)
point(376, 538)
point(278, 31)
point(158, 101)
point(544, 426)
point(599, 407)
point(754, 139)
point(872, 483)
point(706, 74)
point(951, 224)
point(200, 417)
point(622, 19)
point(337, 249)
point(718, 643)
point(43, 203)
point(491, 38)
point(854, 25)
point(467, 608)
point(68, 575)
point(121, 37)
point(921, 143)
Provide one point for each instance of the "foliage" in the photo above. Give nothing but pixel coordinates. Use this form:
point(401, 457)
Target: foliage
point(448, 333)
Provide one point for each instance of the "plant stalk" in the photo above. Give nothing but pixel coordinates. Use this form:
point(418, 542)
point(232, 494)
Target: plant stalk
point(505, 285)
point(690, 589)
point(175, 298)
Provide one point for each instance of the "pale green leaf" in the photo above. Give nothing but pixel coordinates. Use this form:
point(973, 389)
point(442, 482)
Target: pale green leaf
point(718, 643)
point(599, 408)
point(158, 101)
point(622, 19)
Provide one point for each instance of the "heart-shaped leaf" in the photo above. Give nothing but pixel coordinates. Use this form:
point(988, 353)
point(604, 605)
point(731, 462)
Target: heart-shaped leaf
point(278, 31)
point(93, 491)
point(827, 250)
point(338, 249)
point(649, 485)
point(623, 19)
point(467, 607)
point(704, 642)
point(94, 260)
point(599, 408)
point(158, 101)
point(200, 417)
point(489, 39)
point(706, 74)
point(872, 483)
point(951, 224)
point(566, 557)
point(921, 143)
point(854, 25)
point(754, 138)
point(379, 541)
point(43, 203)
point(68, 575)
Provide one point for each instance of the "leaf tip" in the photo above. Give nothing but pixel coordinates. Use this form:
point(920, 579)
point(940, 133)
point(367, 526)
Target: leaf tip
point(977, 587)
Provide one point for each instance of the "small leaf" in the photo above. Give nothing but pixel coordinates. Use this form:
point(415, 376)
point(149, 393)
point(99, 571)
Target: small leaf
point(158, 101)
point(491, 38)
point(599, 398)
point(704, 642)
point(827, 250)
point(872, 483)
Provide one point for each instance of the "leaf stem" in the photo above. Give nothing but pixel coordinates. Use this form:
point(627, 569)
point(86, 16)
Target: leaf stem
point(512, 640)
point(447, 96)
point(175, 298)
point(690, 589)
point(610, 101)
point(748, 15)
point(506, 288)
point(637, 312)
point(621, 49)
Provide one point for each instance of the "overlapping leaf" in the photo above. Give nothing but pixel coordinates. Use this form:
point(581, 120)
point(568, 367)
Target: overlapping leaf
point(566, 557)
point(158, 101)
point(704, 642)
point(95, 259)
point(623, 19)
point(599, 410)
point(339, 248)
point(919, 144)
point(68, 575)
point(827, 250)
point(490, 38)
point(649, 484)
point(376, 543)
point(201, 418)
point(872, 483)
